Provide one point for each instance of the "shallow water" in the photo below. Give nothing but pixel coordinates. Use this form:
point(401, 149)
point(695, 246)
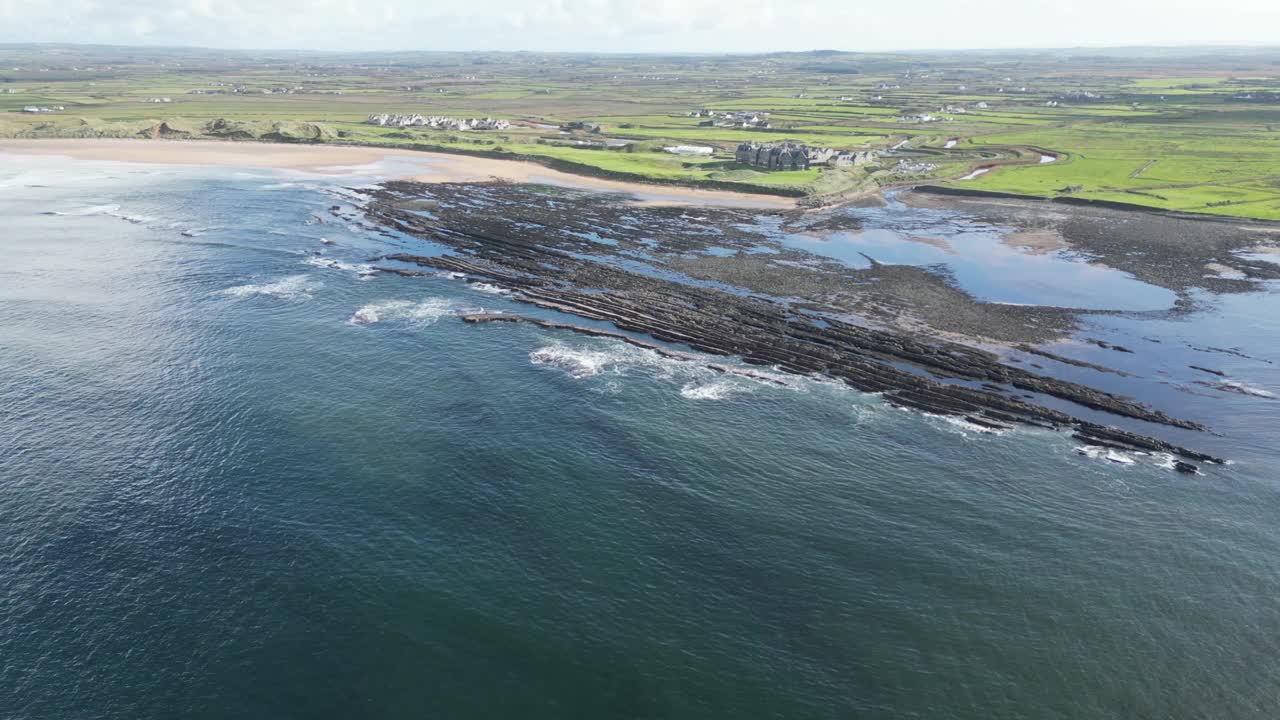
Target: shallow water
point(236, 481)
point(983, 260)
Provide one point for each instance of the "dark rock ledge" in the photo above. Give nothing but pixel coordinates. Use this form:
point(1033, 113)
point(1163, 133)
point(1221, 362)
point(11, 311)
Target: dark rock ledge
point(909, 370)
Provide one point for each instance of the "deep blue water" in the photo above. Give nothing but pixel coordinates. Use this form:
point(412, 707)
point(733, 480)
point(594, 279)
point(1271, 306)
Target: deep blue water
point(238, 481)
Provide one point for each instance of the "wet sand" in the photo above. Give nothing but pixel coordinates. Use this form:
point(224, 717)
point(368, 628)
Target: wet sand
point(1037, 242)
point(342, 160)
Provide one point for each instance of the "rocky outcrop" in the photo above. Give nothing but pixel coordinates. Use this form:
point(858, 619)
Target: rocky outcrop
point(164, 131)
point(910, 370)
point(288, 132)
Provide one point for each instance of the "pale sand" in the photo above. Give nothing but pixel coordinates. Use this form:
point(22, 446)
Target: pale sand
point(343, 160)
point(943, 245)
point(1038, 242)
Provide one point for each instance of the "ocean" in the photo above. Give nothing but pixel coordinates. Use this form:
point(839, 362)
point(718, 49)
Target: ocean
point(243, 475)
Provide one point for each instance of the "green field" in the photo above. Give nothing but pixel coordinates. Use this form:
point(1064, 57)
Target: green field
point(1188, 131)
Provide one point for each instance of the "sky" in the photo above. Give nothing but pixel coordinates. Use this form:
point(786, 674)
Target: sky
point(641, 25)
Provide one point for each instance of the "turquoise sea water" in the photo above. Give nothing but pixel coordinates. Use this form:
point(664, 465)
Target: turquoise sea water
point(241, 480)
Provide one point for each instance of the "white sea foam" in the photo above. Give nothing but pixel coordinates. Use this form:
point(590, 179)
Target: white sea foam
point(364, 270)
point(197, 232)
point(92, 210)
point(710, 391)
point(577, 362)
point(960, 425)
point(109, 210)
point(423, 313)
point(135, 219)
point(490, 289)
point(293, 287)
point(1243, 389)
point(695, 380)
point(1100, 453)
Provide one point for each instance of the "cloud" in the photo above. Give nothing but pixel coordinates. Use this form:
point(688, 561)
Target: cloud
point(142, 26)
point(634, 25)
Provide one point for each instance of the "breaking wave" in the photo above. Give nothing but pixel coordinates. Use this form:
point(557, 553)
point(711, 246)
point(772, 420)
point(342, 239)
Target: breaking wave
point(1100, 453)
point(578, 363)
point(696, 380)
point(710, 391)
point(1238, 387)
point(364, 270)
point(93, 210)
point(490, 289)
point(964, 426)
point(426, 312)
point(293, 287)
point(109, 210)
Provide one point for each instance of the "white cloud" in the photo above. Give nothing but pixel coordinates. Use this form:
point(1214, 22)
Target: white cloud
point(638, 25)
point(142, 26)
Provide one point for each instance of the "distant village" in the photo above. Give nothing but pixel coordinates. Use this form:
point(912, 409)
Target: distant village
point(437, 122)
point(734, 119)
point(243, 90)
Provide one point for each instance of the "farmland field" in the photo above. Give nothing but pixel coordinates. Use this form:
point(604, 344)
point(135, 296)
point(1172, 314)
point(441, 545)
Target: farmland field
point(1182, 130)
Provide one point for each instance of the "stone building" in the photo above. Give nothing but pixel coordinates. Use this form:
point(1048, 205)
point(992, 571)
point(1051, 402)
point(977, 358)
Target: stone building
point(785, 156)
point(437, 122)
point(792, 156)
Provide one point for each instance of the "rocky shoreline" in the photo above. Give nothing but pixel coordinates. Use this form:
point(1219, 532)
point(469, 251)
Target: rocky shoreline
point(539, 248)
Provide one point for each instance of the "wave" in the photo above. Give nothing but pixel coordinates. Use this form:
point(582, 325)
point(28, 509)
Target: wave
point(1100, 453)
point(490, 289)
point(1238, 387)
point(293, 287)
point(363, 270)
point(423, 313)
point(92, 210)
point(578, 363)
point(696, 379)
point(710, 391)
point(965, 426)
point(109, 210)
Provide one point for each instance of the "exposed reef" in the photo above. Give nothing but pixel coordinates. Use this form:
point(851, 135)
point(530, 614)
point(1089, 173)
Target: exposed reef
point(648, 273)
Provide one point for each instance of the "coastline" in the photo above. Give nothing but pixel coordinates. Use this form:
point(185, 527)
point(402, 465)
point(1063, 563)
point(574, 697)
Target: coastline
point(961, 194)
point(336, 160)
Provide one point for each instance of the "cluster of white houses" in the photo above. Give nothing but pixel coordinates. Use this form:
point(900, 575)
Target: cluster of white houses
point(736, 119)
point(42, 109)
point(794, 156)
point(438, 122)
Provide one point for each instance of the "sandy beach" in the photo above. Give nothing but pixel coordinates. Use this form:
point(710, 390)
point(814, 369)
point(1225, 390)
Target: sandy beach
point(342, 160)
